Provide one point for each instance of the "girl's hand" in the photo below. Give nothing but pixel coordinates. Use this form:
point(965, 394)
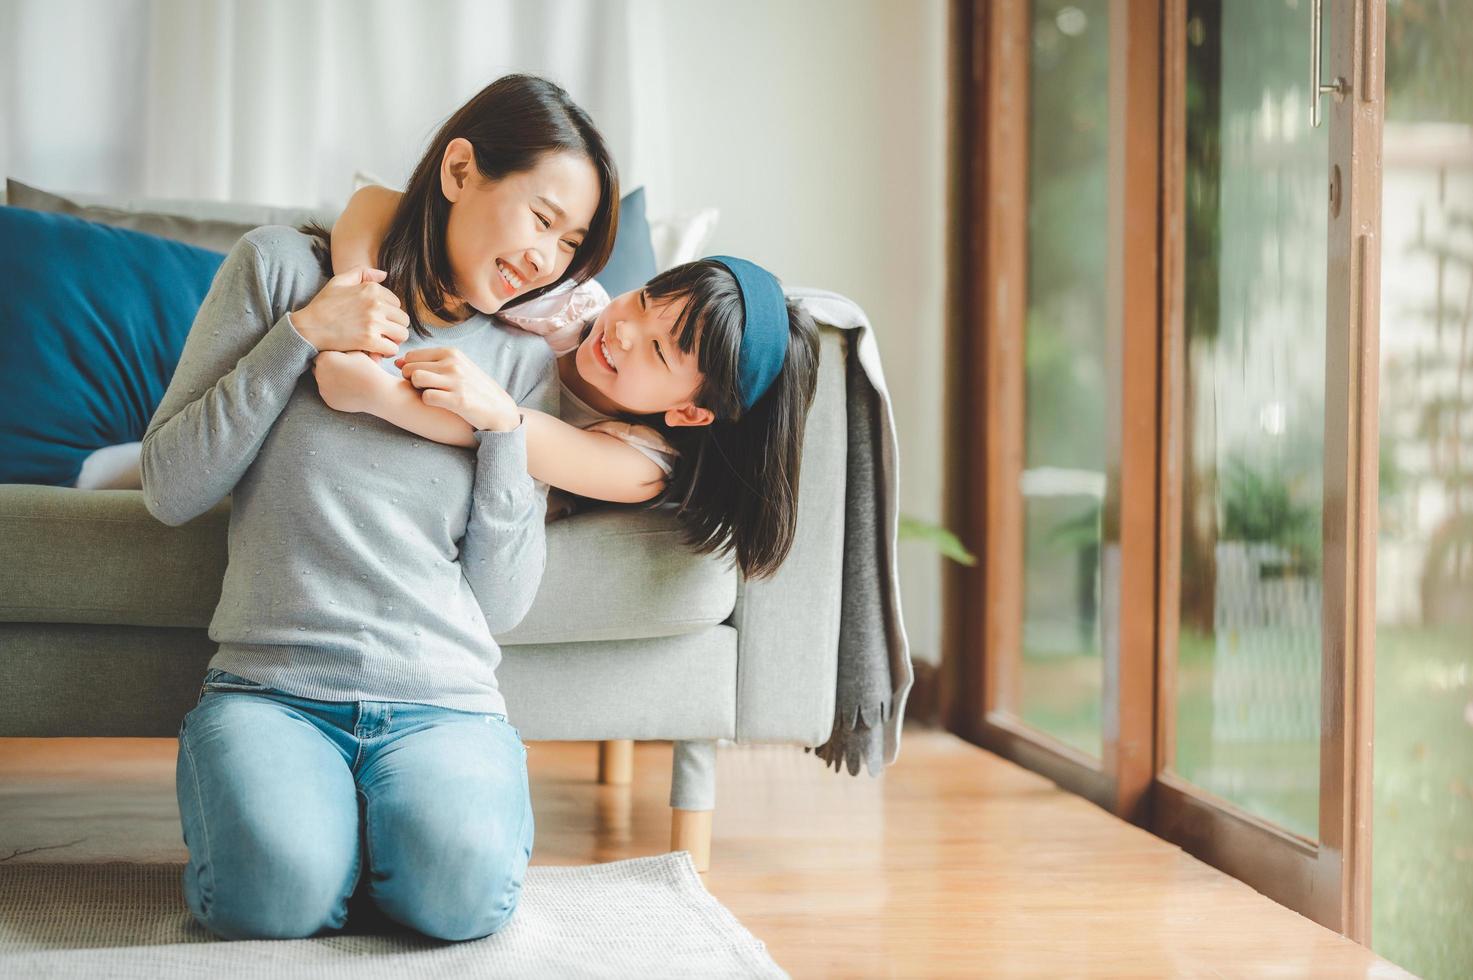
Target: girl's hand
point(350, 381)
point(450, 380)
point(353, 312)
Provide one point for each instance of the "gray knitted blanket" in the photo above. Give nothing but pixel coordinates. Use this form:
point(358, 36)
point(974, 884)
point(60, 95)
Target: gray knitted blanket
point(875, 673)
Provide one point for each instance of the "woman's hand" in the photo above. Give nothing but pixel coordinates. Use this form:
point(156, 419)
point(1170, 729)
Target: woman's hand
point(450, 380)
point(354, 313)
point(350, 381)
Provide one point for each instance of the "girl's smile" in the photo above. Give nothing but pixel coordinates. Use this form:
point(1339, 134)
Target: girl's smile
point(630, 362)
point(603, 357)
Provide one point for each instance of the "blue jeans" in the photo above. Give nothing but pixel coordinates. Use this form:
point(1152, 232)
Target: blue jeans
point(285, 802)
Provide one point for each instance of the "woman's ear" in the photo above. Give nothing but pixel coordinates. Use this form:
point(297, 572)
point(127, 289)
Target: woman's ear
point(689, 414)
point(455, 167)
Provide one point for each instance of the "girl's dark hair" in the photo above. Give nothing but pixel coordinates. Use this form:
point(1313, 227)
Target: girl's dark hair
point(511, 124)
point(736, 480)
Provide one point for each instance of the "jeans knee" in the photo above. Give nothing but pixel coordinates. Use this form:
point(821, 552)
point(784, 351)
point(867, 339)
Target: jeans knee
point(500, 916)
point(278, 902)
point(298, 917)
point(460, 923)
point(471, 887)
point(470, 901)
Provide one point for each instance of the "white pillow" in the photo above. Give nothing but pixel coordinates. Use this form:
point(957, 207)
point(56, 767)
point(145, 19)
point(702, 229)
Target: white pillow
point(682, 237)
point(362, 179)
point(113, 468)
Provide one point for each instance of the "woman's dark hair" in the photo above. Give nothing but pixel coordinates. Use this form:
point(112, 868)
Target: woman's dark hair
point(511, 124)
point(736, 480)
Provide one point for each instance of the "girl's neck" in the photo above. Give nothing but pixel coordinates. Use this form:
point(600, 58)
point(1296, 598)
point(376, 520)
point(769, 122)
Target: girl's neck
point(567, 369)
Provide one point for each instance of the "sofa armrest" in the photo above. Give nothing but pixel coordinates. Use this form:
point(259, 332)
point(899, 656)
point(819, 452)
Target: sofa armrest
point(788, 624)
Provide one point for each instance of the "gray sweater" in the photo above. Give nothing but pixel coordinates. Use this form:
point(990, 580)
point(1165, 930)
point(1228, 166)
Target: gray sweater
point(366, 563)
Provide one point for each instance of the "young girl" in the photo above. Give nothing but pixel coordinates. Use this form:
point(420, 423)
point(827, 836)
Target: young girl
point(692, 390)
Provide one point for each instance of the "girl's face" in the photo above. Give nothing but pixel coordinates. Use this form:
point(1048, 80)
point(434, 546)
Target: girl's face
point(507, 237)
point(631, 358)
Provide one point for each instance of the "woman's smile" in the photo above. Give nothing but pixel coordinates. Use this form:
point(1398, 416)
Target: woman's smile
point(511, 280)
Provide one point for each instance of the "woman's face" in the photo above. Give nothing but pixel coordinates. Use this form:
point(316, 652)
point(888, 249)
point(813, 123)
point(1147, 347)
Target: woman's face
point(510, 236)
point(631, 357)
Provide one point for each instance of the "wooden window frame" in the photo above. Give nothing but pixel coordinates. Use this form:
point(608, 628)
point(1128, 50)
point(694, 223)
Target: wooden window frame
point(991, 45)
point(1327, 879)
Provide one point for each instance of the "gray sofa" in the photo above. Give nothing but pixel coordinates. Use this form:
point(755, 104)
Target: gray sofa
point(103, 616)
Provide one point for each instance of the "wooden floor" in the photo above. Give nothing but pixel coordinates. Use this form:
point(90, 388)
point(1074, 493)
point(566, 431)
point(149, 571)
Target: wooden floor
point(954, 864)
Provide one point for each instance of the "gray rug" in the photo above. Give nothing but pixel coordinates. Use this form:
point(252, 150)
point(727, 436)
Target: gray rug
point(646, 917)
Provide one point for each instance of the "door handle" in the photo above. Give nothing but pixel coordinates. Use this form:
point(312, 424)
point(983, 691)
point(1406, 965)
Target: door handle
point(1340, 87)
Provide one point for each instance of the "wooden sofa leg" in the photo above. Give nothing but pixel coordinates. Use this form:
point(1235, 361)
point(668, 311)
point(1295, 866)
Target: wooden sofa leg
point(616, 761)
point(693, 799)
point(690, 830)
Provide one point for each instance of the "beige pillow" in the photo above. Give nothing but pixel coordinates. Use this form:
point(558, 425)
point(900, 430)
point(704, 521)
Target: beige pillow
point(212, 225)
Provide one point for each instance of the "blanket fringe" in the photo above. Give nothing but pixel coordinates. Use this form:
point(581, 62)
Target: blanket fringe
point(858, 738)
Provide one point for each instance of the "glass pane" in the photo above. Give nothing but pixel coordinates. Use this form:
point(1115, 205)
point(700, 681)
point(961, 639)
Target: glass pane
point(1248, 677)
point(1422, 826)
point(1063, 484)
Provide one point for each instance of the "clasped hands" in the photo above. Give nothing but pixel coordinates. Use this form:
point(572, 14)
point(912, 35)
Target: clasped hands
point(354, 322)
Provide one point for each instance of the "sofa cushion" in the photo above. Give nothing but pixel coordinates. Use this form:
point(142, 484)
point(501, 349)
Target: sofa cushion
point(98, 556)
point(79, 680)
point(632, 262)
point(624, 573)
point(92, 320)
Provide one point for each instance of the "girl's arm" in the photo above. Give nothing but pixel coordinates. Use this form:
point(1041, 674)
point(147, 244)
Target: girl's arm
point(590, 464)
point(360, 229)
point(350, 381)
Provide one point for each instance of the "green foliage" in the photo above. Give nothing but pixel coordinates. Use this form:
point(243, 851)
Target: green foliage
point(1427, 51)
point(948, 544)
point(1390, 475)
point(1064, 394)
point(1260, 507)
point(1068, 154)
point(1077, 532)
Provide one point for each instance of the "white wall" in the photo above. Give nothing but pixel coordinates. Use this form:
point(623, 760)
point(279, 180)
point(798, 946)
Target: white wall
point(816, 126)
point(279, 101)
point(819, 129)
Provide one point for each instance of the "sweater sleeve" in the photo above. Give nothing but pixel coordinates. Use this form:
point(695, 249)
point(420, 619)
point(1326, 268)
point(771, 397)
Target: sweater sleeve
point(505, 545)
point(239, 366)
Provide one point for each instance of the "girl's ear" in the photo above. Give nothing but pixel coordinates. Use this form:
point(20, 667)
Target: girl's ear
point(689, 414)
point(455, 167)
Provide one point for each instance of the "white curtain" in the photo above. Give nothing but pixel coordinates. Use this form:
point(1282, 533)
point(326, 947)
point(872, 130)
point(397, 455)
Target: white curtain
point(281, 101)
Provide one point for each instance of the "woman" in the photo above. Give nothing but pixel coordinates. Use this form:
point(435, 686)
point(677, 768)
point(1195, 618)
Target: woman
point(369, 569)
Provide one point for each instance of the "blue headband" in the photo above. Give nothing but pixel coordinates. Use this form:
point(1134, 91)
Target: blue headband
point(765, 329)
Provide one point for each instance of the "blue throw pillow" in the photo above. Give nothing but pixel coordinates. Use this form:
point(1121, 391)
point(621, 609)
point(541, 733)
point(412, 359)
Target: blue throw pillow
point(632, 263)
point(92, 321)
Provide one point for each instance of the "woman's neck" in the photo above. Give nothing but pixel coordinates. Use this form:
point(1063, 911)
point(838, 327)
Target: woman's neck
point(567, 369)
point(461, 312)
